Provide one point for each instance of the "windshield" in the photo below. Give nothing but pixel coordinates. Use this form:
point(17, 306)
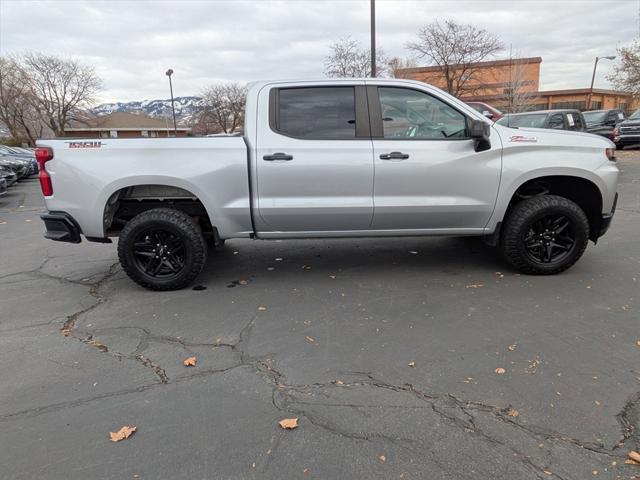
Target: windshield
point(534, 120)
point(595, 117)
point(635, 115)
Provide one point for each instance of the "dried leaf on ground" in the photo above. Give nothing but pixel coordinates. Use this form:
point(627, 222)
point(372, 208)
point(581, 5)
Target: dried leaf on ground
point(635, 456)
point(512, 347)
point(411, 364)
point(65, 331)
point(382, 458)
point(310, 339)
point(512, 412)
point(339, 382)
point(500, 371)
point(475, 285)
point(289, 423)
point(124, 432)
point(189, 362)
point(261, 308)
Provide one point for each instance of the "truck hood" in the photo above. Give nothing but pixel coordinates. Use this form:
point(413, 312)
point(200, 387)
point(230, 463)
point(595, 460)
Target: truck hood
point(548, 137)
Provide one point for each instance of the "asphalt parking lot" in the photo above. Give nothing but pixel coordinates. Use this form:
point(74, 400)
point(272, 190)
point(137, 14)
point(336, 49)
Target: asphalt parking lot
point(386, 350)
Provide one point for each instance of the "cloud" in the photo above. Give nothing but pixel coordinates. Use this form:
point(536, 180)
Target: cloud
point(132, 43)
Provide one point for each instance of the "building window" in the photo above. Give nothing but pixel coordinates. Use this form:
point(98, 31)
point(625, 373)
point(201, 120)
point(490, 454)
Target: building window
point(104, 134)
point(113, 134)
point(568, 105)
point(153, 134)
point(144, 133)
point(596, 105)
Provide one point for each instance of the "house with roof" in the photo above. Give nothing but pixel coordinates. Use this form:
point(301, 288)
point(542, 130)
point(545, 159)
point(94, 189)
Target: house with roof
point(124, 125)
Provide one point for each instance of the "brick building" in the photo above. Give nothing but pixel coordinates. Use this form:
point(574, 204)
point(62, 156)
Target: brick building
point(491, 81)
point(124, 125)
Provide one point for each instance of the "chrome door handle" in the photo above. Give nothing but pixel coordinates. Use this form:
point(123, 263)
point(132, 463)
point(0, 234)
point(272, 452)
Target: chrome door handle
point(394, 156)
point(277, 156)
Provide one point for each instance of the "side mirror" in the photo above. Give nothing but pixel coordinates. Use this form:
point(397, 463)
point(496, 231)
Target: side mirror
point(479, 131)
point(488, 114)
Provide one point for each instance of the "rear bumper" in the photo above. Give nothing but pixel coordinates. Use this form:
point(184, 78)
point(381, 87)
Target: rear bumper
point(61, 227)
point(605, 223)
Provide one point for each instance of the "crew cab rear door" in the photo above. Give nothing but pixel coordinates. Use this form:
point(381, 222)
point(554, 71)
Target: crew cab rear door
point(314, 160)
point(427, 174)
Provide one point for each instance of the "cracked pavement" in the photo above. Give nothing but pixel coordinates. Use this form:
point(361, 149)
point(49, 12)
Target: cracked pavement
point(323, 330)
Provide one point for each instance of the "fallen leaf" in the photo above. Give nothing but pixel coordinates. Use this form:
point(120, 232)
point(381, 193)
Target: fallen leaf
point(547, 472)
point(218, 340)
point(635, 456)
point(382, 458)
point(512, 348)
point(189, 362)
point(306, 267)
point(500, 371)
point(279, 259)
point(124, 432)
point(262, 309)
point(310, 339)
point(28, 220)
point(289, 423)
point(413, 252)
point(512, 412)
point(332, 277)
point(339, 382)
point(597, 402)
point(306, 470)
point(595, 472)
point(631, 462)
point(100, 346)
point(638, 343)
point(469, 380)
point(243, 282)
point(307, 322)
point(65, 331)
point(411, 364)
point(475, 285)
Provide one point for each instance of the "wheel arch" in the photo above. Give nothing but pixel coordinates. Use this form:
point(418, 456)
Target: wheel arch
point(583, 189)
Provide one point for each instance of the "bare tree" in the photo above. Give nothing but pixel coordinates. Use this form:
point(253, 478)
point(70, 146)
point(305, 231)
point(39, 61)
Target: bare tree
point(518, 92)
point(222, 108)
point(61, 88)
point(17, 104)
point(626, 74)
point(349, 60)
point(397, 66)
point(456, 48)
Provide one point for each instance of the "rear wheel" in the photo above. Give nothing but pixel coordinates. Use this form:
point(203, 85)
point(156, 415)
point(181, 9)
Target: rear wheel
point(545, 235)
point(162, 249)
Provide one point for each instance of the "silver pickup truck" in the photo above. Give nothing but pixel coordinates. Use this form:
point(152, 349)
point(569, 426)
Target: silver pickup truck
point(333, 158)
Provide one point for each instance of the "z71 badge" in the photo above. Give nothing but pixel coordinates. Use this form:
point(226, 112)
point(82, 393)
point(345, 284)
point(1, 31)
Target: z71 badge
point(85, 144)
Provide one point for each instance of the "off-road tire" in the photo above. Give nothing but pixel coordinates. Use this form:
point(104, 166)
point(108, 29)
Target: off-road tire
point(520, 219)
point(176, 223)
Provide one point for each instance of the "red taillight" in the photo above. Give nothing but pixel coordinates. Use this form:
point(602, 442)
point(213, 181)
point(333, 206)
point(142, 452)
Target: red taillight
point(43, 155)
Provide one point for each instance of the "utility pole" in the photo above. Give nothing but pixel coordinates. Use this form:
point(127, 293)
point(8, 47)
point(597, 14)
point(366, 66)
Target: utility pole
point(593, 78)
point(168, 73)
point(373, 38)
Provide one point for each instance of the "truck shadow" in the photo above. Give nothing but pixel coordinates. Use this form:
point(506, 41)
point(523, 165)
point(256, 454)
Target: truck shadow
point(239, 262)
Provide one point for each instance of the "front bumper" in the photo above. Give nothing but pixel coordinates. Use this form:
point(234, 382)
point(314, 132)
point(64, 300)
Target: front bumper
point(61, 227)
point(605, 223)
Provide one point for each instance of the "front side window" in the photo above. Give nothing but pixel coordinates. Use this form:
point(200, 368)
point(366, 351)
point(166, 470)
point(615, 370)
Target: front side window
point(417, 115)
point(533, 120)
point(318, 113)
point(556, 121)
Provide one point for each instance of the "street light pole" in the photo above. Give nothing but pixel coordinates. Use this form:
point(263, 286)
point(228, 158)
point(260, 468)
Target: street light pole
point(373, 38)
point(593, 78)
point(168, 73)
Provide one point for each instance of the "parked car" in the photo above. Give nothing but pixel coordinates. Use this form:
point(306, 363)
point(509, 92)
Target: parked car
point(554, 119)
point(8, 175)
point(19, 167)
point(487, 110)
point(627, 133)
point(3, 186)
point(603, 122)
point(302, 170)
point(28, 157)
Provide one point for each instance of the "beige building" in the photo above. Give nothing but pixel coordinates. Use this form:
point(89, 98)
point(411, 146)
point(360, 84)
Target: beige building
point(124, 125)
point(491, 82)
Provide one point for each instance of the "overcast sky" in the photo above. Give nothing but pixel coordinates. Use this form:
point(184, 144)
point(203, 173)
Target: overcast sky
point(132, 43)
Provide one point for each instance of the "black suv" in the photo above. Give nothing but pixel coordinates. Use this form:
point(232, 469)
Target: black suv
point(603, 122)
point(556, 119)
point(628, 132)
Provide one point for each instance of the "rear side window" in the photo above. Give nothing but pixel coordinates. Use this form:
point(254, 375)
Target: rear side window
point(316, 113)
point(556, 121)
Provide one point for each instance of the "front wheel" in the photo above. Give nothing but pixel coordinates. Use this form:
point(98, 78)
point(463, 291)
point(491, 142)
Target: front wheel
point(544, 235)
point(162, 249)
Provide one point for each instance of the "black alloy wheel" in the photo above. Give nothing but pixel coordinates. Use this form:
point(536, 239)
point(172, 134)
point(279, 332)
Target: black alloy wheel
point(550, 239)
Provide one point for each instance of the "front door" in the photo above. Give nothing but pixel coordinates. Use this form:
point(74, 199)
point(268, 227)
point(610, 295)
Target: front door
point(315, 161)
point(427, 174)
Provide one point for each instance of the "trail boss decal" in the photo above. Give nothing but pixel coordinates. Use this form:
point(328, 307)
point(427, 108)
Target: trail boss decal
point(85, 144)
point(522, 138)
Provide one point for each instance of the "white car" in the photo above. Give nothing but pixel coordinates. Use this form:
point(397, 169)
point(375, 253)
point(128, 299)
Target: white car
point(333, 158)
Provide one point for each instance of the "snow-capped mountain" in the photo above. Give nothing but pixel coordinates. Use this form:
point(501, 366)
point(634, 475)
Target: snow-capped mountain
point(186, 107)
